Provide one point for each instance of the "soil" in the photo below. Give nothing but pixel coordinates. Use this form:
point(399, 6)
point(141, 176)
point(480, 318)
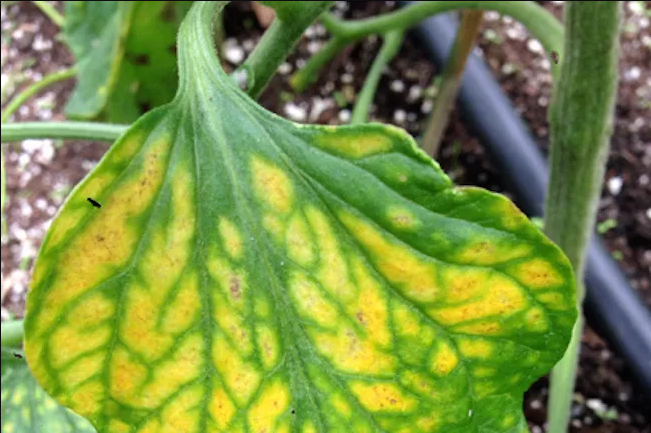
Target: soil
point(40, 173)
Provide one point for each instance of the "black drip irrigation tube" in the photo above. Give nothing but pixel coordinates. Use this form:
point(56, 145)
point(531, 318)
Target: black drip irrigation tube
point(612, 307)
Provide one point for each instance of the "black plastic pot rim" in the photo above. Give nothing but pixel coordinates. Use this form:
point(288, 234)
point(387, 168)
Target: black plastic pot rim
point(611, 306)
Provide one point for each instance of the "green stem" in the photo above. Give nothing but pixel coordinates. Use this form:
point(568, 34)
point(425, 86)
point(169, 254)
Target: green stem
point(310, 72)
point(12, 333)
point(390, 47)
point(451, 80)
point(63, 130)
point(51, 12)
point(581, 118)
point(542, 24)
point(34, 89)
point(276, 44)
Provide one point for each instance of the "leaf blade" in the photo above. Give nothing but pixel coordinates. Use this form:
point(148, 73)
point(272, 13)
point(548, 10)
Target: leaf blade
point(246, 272)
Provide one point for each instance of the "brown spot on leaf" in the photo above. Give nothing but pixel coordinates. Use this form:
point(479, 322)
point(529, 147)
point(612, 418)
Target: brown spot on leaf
point(235, 288)
point(361, 318)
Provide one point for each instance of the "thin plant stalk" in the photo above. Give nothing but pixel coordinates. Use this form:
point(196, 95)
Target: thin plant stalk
point(540, 23)
point(581, 118)
point(62, 130)
point(390, 47)
point(451, 80)
point(49, 11)
point(276, 44)
point(35, 88)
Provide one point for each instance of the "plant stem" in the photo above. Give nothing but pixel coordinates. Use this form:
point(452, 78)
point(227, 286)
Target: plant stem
point(581, 117)
point(276, 44)
point(310, 72)
point(34, 89)
point(390, 47)
point(542, 25)
point(51, 12)
point(12, 333)
point(70, 130)
point(451, 80)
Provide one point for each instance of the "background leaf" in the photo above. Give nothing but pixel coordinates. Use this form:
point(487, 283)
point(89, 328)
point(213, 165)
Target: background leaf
point(126, 55)
point(245, 273)
point(27, 408)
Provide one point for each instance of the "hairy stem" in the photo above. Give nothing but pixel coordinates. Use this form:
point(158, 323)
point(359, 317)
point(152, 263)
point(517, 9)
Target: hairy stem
point(276, 44)
point(390, 47)
point(542, 25)
point(63, 130)
point(451, 80)
point(49, 11)
point(12, 333)
point(34, 89)
point(581, 119)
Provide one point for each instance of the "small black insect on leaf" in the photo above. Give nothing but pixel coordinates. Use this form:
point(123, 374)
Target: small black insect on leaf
point(293, 411)
point(94, 203)
point(18, 355)
point(555, 57)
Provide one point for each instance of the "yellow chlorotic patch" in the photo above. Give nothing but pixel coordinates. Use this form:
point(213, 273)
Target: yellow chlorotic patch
point(485, 327)
point(554, 300)
point(300, 246)
point(406, 321)
point(428, 423)
point(181, 414)
point(71, 342)
point(370, 310)
point(139, 329)
point(182, 367)
point(474, 348)
point(308, 427)
point(537, 274)
point(18, 395)
point(385, 397)
point(231, 238)
point(397, 263)
point(82, 370)
point(116, 426)
point(402, 218)
point(271, 403)
point(241, 377)
point(183, 310)
point(261, 306)
point(268, 346)
point(231, 323)
point(486, 253)
point(108, 240)
point(333, 272)
point(350, 352)
point(310, 301)
point(92, 311)
point(536, 320)
point(340, 405)
point(483, 372)
point(509, 421)
point(355, 146)
point(511, 216)
point(127, 148)
point(274, 225)
point(87, 399)
point(127, 376)
point(232, 283)
point(463, 284)
point(272, 185)
point(445, 359)
point(502, 297)
point(221, 407)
